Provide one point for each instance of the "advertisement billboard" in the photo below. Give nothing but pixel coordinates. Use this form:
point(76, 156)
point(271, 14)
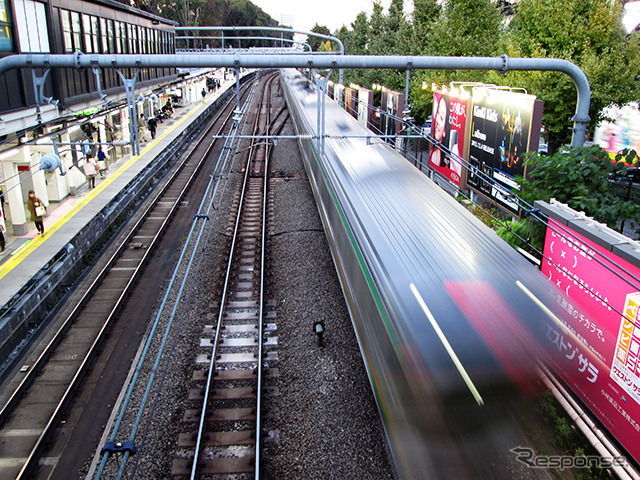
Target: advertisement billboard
point(503, 126)
point(622, 133)
point(351, 101)
point(449, 128)
point(598, 345)
point(365, 102)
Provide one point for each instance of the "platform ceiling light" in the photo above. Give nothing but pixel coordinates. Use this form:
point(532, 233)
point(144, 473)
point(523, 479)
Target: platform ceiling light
point(7, 154)
point(44, 141)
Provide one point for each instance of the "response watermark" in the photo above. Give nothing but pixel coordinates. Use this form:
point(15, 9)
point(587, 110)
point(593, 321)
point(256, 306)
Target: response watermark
point(529, 458)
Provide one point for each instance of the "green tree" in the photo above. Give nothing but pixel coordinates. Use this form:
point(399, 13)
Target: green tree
point(316, 42)
point(357, 44)
point(425, 15)
point(467, 28)
point(587, 33)
point(579, 177)
point(459, 28)
point(394, 24)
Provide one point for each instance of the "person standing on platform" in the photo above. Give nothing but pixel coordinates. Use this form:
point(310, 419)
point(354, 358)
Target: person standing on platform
point(204, 93)
point(153, 126)
point(141, 123)
point(37, 210)
point(90, 168)
point(102, 161)
point(3, 234)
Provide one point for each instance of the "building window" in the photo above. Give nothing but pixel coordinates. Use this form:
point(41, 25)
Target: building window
point(95, 34)
point(71, 31)
point(76, 30)
point(6, 28)
point(90, 26)
point(130, 40)
point(103, 36)
point(111, 37)
point(120, 37)
point(31, 23)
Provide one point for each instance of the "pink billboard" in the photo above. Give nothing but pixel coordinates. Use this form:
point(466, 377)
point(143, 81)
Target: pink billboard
point(449, 127)
point(596, 347)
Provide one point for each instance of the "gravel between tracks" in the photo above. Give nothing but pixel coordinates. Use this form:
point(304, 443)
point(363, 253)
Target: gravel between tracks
point(324, 418)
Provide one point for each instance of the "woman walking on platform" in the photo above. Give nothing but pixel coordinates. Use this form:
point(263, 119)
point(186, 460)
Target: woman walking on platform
point(37, 210)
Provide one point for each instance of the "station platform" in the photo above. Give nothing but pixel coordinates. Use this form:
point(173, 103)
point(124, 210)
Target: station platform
point(29, 258)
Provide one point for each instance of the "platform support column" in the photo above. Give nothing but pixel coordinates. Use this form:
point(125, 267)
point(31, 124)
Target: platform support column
point(13, 197)
point(129, 86)
point(237, 72)
point(74, 177)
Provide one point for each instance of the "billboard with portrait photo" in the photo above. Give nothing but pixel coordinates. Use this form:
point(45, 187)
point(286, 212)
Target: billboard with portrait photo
point(449, 129)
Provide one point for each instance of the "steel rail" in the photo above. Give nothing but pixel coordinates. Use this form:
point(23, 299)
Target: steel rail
point(263, 235)
point(216, 340)
point(230, 139)
point(106, 454)
point(502, 64)
point(40, 362)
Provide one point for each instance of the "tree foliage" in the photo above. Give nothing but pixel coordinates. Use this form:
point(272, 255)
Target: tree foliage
point(586, 32)
point(581, 178)
point(590, 34)
point(213, 13)
point(316, 42)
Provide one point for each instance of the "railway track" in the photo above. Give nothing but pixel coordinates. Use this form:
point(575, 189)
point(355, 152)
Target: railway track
point(222, 429)
point(34, 410)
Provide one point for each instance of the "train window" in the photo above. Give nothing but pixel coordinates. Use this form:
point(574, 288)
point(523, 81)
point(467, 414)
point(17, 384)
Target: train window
point(6, 28)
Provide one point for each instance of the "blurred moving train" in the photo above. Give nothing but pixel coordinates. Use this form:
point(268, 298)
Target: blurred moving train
point(450, 319)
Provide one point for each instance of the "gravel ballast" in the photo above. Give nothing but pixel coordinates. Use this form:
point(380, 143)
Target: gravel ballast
point(320, 416)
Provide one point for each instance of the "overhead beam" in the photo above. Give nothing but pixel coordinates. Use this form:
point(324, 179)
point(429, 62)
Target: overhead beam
point(322, 62)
